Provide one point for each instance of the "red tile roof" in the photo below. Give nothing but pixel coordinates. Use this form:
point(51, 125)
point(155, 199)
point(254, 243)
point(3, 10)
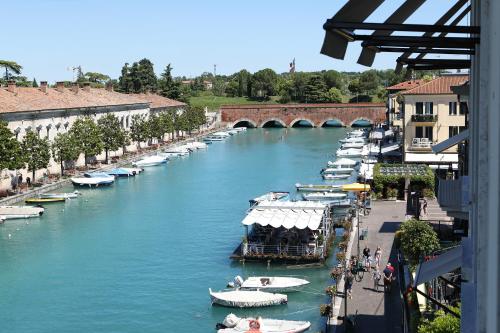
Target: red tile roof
point(33, 99)
point(406, 85)
point(438, 86)
point(158, 101)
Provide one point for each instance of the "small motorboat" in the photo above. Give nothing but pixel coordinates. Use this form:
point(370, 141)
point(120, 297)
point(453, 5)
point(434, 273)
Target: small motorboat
point(93, 179)
point(348, 145)
point(71, 195)
point(43, 200)
point(337, 170)
point(196, 145)
point(214, 138)
point(120, 172)
point(275, 284)
point(234, 324)
point(356, 133)
point(356, 187)
point(328, 176)
point(232, 131)
point(369, 160)
point(240, 129)
point(134, 171)
point(20, 212)
point(222, 134)
point(351, 152)
point(270, 196)
point(324, 196)
point(344, 203)
point(318, 188)
point(246, 298)
point(353, 140)
point(150, 161)
point(343, 163)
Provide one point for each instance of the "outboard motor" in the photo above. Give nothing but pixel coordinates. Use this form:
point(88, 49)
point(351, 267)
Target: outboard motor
point(238, 281)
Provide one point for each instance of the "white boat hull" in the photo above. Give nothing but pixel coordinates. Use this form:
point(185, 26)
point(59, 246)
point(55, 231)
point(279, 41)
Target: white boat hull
point(150, 161)
point(275, 284)
point(243, 325)
point(317, 188)
point(20, 212)
point(92, 181)
point(246, 298)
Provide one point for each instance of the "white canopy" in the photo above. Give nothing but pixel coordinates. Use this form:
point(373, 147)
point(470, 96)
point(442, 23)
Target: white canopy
point(287, 214)
point(431, 158)
point(345, 161)
point(444, 263)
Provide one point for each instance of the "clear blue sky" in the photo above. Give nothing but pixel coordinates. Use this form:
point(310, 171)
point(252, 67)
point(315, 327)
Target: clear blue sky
point(48, 36)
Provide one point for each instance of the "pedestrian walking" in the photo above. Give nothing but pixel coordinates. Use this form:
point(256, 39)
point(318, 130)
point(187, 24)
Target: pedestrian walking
point(28, 181)
point(376, 279)
point(349, 279)
point(366, 257)
point(378, 255)
point(388, 276)
point(424, 207)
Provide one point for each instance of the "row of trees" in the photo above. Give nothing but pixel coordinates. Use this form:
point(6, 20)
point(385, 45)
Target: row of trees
point(91, 138)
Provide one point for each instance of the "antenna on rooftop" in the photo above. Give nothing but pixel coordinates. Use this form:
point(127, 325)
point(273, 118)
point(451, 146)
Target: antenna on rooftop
point(215, 70)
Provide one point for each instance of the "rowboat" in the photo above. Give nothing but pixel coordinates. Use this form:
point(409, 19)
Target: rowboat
point(150, 161)
point(246, 298)
point(234, 324)
point(275, 284)
point(351, 152)
point(317, 188)
point(324, 196)
point(20, 212)
point(335, 177)
point(337, 170)
point(43, 200)
point(71, 195)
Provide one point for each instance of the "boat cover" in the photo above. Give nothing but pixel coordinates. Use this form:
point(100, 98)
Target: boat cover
point(287, 214)
point(247, 298)
point(356, 187)
point(235, 324)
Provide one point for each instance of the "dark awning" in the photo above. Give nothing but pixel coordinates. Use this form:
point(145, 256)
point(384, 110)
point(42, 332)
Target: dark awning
point(340, 30)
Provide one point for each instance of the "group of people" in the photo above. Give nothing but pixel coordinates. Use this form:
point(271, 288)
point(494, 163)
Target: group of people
point(17, 182)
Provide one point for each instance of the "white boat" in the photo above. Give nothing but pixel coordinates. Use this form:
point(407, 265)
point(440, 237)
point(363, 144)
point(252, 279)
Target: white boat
point(275, 284)
point(150, 161)
point(335, 177)
point(353, 140)
point(214, 138)
point(337, 170)
point(343, 163)
point(348, 145)
point(324, 196)
point(318, 188)
point(270, 196)
point(232, 131)
point(134, 171)
point(234, 324)
point(93, 179)
point(222, 134)
point(370, 149)
point(240, 129)
point(246, 298)
point(369, 160)
point(196, 145)
point(356, 133)
point(20, 212)
point(351, 152)
point(71, 195)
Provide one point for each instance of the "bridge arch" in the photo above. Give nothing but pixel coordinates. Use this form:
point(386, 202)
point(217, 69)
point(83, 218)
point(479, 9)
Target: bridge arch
point(355, 122)
point(324, 122)
point(297, 120)
point(272, 122)
point(244, 122)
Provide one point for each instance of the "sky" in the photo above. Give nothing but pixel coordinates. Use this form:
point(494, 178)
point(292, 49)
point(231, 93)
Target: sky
point(49, 37)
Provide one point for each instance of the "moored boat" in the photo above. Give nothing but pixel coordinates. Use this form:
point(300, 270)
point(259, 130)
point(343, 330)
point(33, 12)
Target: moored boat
point(270, 196)
point(276, 284)
point(20, 212)
point(43, 200)
point(246, 298)
point(351, 152)
point(120, 172)
point(234, 324)
point(93, 179)
point(328, 176)
point(150, 161)
point(337, 170)
point(343, 163)
point(348, 145)
point(353, 140)
point(317, 188)
point(324, 196)
point(214, 138)
point(71, 195)
point(134, 171)
point(222, 134)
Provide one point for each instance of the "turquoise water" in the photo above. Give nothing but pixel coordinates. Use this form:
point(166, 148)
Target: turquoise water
point(139, 256)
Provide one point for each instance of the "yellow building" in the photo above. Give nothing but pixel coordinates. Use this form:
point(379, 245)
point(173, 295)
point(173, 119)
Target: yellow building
point(432, 113)
point(394, 105)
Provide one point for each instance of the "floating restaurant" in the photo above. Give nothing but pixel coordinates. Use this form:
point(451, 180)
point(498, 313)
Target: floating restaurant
point(297, 231)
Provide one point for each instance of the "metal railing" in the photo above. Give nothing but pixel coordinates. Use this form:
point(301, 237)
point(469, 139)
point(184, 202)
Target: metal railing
point(257, 249)
point(421, 144)
point(424, 118)
point(454, 194)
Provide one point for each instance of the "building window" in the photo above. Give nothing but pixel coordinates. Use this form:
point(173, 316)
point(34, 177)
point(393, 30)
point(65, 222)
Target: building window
point(420, 108)
point(424, 132)
point(464, 108)
point(452, 131)
point(453, 109)
point(424, 108)
point(127, 121)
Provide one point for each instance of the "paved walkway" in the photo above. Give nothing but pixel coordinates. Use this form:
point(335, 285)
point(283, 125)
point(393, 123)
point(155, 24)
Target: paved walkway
point(377, 311)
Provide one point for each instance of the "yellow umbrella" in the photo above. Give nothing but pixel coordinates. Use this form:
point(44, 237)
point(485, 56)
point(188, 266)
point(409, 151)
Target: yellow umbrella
point(356, 187)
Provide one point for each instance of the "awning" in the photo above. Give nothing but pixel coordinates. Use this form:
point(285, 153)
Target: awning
point(287, 214)
point(454, 166)
point(356, 187)
point(454, 140)
point(442, 264)
point(386, 149)
point(431, 158)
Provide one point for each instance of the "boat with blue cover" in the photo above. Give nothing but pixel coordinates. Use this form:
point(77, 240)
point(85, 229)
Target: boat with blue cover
point(120, 172)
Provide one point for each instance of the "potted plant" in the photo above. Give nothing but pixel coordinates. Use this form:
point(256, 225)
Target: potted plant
point(331, 290)
point(340, 256)
point(392, 193)
point(325, 310)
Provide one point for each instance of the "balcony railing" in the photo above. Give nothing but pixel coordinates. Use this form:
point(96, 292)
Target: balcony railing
point(453, 195)
point(424, 118)
point(258, 249)
point(421, 144)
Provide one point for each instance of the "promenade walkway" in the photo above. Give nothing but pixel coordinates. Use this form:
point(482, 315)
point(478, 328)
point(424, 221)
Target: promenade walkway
point(377, 311)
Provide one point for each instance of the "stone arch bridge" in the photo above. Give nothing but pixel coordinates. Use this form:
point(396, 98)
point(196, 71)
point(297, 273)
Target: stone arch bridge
point(289, 115)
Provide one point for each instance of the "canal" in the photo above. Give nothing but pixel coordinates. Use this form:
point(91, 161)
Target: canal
point(139, 256)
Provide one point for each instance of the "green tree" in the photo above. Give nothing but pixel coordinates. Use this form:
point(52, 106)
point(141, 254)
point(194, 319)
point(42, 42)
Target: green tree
point(64, 148)
point(264, 84)
point(167, 122)
point(11, 154)
point(113, 136)
point(34, 84)
point(168, 87)
point(418, 239)
point(147, 76)
point(315, 90)
point(12, 66)
point(97, 78)
point(36, 152)
point(441, 323)
point(87, 136)
point(369, 82)
point(155, 126)
point(125, 81)
point(181, 123)
point(333, 79)
point(139, 129)
point(285, 89)
point(334, 95)
point(244, 86)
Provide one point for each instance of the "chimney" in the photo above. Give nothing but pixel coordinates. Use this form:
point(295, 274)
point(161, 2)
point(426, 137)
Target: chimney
point(11, 86)
point(43, 86)
point(74, 87)
point(86, 87)
point(109, 86)
point(60, 86)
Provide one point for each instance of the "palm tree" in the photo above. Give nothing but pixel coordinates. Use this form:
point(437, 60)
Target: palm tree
point(12, 66)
